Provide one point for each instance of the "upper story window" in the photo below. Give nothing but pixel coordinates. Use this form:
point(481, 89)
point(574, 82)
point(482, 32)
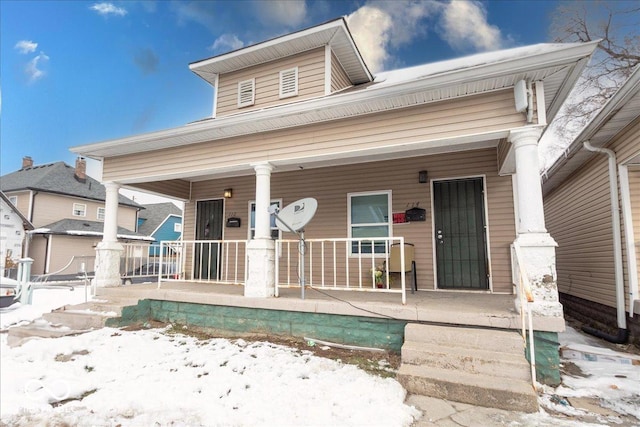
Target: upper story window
point(177, 227)
point(246, 92)
point(100, 214)
point(369, 216)
point(13, 200)
point(289, 82)
point(79, 209)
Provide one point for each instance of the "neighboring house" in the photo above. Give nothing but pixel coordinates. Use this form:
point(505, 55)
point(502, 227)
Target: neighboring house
point(13, 228)
point(302, 116)
point(592, 204)
point(67, 209)
point(162, 221)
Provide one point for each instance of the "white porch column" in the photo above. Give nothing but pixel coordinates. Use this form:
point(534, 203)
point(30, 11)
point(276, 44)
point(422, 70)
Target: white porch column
point(109, 249)
point(261, 249)
point(537, 246)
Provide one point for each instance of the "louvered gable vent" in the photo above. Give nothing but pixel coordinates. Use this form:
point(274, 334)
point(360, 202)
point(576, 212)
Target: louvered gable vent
point(246, 92)
point(289, 82)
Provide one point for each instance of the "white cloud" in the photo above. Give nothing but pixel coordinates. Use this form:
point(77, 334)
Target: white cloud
point(34, 70)
point(26, 46)
point(379, 26)
point(278, 13)
point(465, 27)
point(226, 43)
point(108, 9)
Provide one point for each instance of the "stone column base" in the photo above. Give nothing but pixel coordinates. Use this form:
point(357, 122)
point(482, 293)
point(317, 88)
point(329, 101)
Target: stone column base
point(108, 265)
point(261, 272)
point(539, 258)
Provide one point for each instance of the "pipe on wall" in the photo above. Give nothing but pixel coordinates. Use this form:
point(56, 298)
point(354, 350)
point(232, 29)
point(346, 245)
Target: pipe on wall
point(623, 332)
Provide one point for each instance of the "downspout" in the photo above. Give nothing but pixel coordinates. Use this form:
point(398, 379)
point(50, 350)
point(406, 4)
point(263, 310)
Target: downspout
point(623, 332)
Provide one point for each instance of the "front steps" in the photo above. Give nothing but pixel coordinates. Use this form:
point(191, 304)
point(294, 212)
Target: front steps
point(69, 320)
point(484, 367)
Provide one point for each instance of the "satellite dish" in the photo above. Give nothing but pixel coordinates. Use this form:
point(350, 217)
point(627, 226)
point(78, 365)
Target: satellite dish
point(296, 215)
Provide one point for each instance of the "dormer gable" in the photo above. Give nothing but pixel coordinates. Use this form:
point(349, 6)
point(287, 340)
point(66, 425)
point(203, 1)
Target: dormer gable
point(309, 63)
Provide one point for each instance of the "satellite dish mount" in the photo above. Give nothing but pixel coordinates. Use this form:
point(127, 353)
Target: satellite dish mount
point(293, 218)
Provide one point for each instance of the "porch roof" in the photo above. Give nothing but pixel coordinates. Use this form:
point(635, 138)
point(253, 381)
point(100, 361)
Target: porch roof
point(557, 65)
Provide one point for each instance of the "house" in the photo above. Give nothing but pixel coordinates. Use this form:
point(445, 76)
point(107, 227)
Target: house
point(442, 156)
point(592, 204)
point(13, 233)
point(162, 221)
point(66, 207)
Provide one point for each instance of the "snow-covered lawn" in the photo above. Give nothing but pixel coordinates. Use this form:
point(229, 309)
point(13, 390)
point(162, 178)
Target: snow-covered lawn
point(164, 377)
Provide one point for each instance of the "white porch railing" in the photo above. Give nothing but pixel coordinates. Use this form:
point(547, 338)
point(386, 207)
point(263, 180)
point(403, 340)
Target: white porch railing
point(340, 264)
point(331, 264)
point(215, 261)
point(525, 297)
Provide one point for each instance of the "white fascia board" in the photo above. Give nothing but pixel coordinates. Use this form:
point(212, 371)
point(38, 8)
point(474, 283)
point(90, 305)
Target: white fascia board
point(568, 55)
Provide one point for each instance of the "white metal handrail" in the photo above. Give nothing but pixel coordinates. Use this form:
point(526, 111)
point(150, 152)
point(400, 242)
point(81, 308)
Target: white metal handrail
point(525, 295)
point(348, 264)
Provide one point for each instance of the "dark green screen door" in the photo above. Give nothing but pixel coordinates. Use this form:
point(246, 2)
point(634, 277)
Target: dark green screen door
point(461, 251)
point(209, 222)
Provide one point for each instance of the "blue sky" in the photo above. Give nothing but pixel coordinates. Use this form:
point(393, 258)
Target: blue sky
point(76, 72)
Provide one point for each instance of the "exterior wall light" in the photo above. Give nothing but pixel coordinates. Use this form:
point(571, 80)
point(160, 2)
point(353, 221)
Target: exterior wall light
point(228, 193)
point(422, 177)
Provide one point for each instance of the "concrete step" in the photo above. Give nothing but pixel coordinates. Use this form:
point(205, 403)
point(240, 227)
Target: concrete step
point(475, 389)
point(40, 328)
point(474, 361)
point(78, 319)
point(465, 337)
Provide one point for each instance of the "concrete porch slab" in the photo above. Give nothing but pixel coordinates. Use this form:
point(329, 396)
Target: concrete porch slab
point(471, 309)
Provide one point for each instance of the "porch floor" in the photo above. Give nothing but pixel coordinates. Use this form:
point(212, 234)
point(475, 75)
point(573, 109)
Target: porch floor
point(455, 308)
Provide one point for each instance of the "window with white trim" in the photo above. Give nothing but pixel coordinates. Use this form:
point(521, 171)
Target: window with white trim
point(246, 92)
point(13, 200)
point(369, 216)
point(275, 231)
point(289, 82)
point(177, 227)
point(100, 214)
point(79, 209)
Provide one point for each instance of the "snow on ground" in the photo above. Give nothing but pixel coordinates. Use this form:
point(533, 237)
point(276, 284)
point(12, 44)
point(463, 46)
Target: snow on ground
point(162, 377)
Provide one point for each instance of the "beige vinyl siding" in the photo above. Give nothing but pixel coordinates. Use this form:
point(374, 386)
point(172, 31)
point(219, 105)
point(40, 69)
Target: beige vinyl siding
point(339, 78)
point(49, 208)
point(23, 201)
point(503, 149)
point(172, 188)
point(578, 217)
point(634, 189)
point(311, 72)
point(330, 187)
point(463, 116)
point(38, 251)
point(65, 247)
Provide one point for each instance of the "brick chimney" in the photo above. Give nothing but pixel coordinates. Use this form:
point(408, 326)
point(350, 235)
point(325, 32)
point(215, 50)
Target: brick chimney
point(81, 169)
point(27, 162)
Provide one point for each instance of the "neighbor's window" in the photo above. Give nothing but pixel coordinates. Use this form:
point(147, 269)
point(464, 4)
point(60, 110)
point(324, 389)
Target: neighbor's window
point(275, 231)
point(289, 82)
point(369, 216)
point(246, 92)
point(13, 200)
point(79, 209)
point(177, 227)
point(100, 214)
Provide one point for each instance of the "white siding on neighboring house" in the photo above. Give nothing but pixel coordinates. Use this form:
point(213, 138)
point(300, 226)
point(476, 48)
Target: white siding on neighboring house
point(12, 236)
